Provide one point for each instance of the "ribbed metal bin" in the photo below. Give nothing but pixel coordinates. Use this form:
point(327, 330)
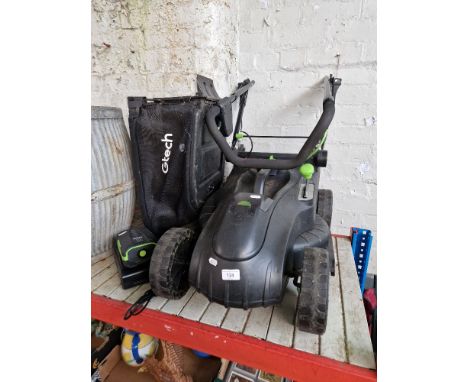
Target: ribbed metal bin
point(112, 185)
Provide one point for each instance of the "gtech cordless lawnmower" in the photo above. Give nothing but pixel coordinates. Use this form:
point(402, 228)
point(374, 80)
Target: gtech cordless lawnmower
point(268, 222)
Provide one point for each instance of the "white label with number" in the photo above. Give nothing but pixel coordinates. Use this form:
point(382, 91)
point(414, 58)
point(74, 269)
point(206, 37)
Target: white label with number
point(230, 274)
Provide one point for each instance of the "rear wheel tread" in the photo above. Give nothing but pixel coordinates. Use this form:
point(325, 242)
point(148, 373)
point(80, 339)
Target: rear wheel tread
point(325, 205)
point(312, 304)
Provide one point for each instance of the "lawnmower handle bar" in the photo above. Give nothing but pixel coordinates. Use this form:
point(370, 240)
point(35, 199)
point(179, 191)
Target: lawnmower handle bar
point(331, 87)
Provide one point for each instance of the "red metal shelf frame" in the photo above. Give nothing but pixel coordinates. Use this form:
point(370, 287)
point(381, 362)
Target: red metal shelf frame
point(290, 363)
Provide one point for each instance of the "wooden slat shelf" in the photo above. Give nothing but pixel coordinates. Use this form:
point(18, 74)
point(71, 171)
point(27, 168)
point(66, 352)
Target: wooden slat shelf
point(265, 338)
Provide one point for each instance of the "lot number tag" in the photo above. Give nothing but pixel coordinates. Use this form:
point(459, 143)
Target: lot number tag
point(230, 274)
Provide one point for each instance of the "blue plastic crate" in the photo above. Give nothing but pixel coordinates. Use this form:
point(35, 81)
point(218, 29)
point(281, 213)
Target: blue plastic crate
point(361, 243)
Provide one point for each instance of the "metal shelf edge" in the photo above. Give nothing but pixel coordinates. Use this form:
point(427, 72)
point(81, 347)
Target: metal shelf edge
point(290, 363)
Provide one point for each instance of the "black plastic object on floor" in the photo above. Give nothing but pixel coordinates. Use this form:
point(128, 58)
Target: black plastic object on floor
point(176, 162)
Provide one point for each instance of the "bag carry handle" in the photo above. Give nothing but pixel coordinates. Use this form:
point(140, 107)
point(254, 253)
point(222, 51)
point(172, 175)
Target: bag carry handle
point(225, 107)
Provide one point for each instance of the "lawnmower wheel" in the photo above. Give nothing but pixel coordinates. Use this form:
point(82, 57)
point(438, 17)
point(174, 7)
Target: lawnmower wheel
point(312, 305)
point(325, 205)
point(168, 273)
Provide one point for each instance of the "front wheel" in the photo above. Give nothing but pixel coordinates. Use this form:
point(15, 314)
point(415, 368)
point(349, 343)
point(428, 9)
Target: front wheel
point(168, 273)
point(312, 304)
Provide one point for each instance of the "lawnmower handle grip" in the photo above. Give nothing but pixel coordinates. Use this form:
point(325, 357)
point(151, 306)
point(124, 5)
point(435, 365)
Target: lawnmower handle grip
point(279, 164)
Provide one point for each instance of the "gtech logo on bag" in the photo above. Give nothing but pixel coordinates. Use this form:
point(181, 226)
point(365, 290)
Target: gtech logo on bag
point(167, 153)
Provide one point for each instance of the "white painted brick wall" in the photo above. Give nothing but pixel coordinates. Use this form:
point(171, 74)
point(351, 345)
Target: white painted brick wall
point(287, 47)
point(155, 48)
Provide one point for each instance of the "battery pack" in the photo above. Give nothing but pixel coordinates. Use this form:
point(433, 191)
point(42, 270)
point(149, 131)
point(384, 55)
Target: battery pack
point(132, 251)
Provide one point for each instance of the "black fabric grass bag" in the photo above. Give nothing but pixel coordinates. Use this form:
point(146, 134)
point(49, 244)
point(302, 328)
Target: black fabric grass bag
point(176, 162)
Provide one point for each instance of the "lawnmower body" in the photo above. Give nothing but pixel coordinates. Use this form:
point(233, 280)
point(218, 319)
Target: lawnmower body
point(239, 258)
point(267, 223)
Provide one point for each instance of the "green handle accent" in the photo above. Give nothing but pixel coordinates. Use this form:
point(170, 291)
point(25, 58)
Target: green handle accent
point(244, 203)
point(319, 145)
point(271, 157)
point(307, 170)
point(240, 135)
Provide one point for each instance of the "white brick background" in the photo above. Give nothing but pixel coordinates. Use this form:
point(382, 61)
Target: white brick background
point(287, 47)
point(155, 48)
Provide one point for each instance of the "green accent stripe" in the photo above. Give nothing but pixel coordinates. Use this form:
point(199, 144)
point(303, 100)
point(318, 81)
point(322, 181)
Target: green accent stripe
point(119, 247)
point(319, 145)
point(125, 258)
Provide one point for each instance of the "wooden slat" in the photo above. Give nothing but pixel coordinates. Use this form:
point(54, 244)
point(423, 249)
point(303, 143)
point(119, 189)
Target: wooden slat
point(156, 303)
point(175, 306)
point(281, 328)
point(235, 319)
point(138, 293)
point(122, 294)
point(258, 322)
point(103, 276)
point(332, 342)
point(307, 342)
point(101, 265)
point(358, 342)
point(109, 286)
point(195, 307)
point(214, 314)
